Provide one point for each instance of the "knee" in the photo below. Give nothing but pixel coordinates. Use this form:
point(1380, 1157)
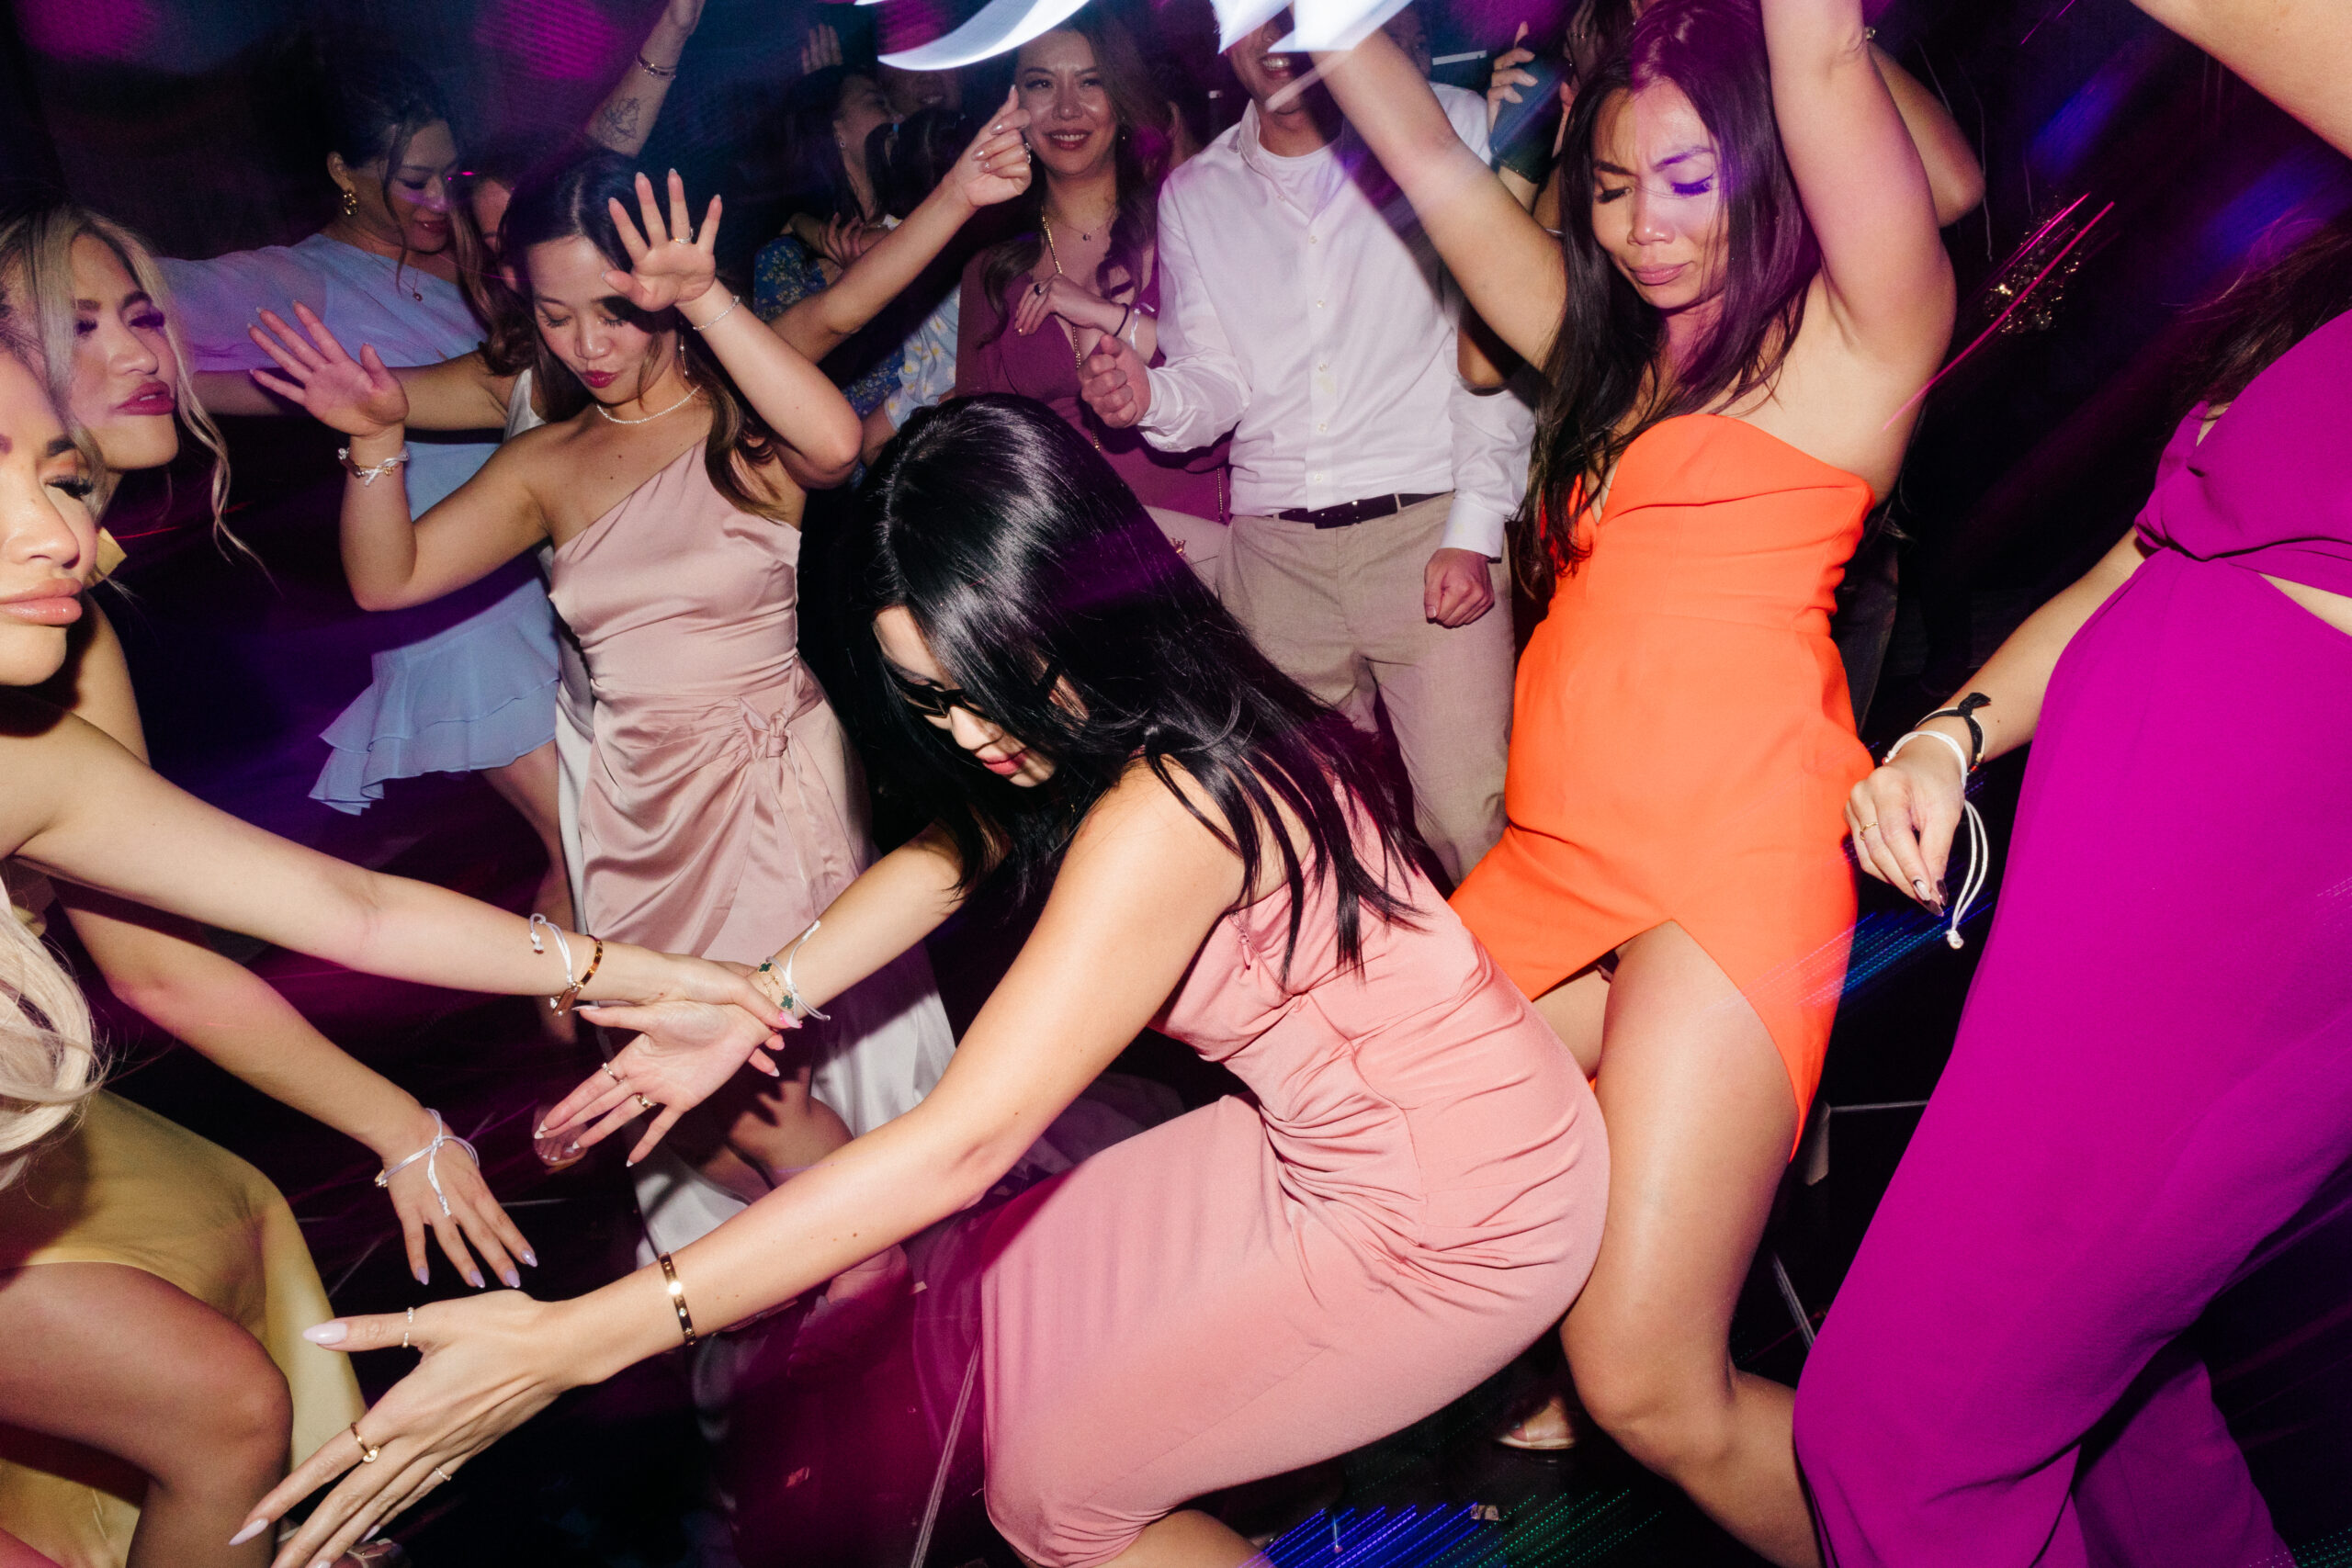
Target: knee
point(1672, 1413)
point(234, 1417)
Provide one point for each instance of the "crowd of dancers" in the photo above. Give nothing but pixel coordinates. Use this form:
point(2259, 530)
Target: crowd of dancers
point(1183, 465)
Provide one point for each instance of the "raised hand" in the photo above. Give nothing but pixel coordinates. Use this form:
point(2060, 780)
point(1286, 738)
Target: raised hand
point(670, 264)
point(996, 167)
point(490, 1363)
point(358, 397)
point(1503, 85)
point(686, 1053)
point(822, 48)
point(1117, 385)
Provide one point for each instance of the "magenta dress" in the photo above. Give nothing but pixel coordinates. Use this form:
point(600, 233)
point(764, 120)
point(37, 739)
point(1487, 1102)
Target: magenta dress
point(1412, 1197)
point(1044, 365)
point(2155, 1070)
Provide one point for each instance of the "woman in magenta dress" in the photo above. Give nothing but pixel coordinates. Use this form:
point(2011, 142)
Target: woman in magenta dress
point(1412, 1195)
point(2154, 1071)
point(1034, 306)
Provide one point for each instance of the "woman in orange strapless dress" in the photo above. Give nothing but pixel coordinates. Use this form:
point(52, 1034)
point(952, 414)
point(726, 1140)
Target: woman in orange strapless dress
point(1734, 365)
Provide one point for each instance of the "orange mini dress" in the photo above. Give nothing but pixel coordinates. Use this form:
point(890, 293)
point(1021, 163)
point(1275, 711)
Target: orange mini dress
point(1682, 741)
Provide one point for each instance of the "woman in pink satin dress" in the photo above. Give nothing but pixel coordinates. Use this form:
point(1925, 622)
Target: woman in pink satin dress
point(722, 803)
point(1410, 1195)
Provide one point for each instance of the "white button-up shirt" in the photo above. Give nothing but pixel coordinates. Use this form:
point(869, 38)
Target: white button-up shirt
point(1303, 309)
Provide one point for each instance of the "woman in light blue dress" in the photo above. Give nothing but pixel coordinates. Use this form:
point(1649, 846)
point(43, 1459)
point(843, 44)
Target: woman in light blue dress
point(468, 684)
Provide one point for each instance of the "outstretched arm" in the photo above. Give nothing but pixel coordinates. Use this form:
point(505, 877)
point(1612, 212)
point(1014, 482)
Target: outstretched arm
point(994, 168)
point(1140, 888)
point(1510, 269)
point(671, 265)
point(82, 809)
point(1889, 281)
point(2296, 54)
point(625, 119)
point(390, 560)
point(456, 394)
point(162, 966)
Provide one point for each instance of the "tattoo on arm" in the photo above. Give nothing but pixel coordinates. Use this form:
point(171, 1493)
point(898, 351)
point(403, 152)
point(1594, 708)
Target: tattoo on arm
point(620, 119)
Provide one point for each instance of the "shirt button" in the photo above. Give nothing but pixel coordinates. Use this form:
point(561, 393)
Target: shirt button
point(1311, 239)
point(1319, 304)
point(1322, 427)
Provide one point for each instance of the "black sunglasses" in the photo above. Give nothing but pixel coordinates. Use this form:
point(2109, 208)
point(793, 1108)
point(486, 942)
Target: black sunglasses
point(934, 701)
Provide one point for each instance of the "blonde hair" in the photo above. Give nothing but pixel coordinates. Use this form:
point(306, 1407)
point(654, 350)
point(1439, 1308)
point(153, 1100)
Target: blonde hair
point(37, 268)
point(48, 1065)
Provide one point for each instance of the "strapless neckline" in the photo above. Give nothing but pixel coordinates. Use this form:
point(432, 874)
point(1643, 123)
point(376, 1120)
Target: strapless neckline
point(1756, 429)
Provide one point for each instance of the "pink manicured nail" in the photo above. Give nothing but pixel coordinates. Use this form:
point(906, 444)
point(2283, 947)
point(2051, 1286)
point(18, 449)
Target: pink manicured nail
point(250, 1531)
point(333, 1333)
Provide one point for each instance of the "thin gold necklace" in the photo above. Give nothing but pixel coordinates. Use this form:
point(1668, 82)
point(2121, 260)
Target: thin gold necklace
point(649, 419)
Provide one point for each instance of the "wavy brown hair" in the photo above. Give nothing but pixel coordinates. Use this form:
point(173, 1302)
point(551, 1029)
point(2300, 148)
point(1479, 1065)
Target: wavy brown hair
point(2266, 309)
point(1608, 379)
point(1139, 158)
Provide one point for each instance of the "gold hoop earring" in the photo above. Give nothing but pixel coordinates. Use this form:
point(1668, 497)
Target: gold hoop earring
point(350, 202)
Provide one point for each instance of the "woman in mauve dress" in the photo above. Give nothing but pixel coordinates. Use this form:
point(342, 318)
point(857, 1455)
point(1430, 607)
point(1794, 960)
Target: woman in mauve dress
point(1410, 1195)
point(721, 801)
point(2154, 1071)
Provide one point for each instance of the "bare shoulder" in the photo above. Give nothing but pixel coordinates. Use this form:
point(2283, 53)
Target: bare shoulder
point(1157, 841)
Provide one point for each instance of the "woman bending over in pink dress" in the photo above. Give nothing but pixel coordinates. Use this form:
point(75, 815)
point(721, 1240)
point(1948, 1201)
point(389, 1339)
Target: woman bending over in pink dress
point(1411, 1196)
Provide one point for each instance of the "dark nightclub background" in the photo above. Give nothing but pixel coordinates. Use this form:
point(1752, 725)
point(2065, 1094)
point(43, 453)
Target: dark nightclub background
point(2127, 176)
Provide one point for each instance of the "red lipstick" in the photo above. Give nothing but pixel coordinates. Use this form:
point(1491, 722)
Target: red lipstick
point(152, 399)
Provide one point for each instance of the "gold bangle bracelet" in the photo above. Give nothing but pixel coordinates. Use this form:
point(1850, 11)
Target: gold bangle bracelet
point(571, 992)
point(678, 1298)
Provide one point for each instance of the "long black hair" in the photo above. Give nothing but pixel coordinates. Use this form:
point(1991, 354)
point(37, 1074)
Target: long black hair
point(1139, 160)
point(1607, 382)
point(574, 201)
point(2272, 305)
point(1025, 561)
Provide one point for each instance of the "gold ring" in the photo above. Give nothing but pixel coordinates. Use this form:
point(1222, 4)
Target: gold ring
point(643, 1103)
point(610, 1074)
point(1869, 827)
point(406, 1332)
point(367, 1450)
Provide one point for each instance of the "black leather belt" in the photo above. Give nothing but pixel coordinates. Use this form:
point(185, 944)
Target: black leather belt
point(1348, 513)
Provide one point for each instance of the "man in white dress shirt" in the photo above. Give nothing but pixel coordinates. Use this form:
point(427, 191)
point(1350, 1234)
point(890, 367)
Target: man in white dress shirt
point(1304, 311)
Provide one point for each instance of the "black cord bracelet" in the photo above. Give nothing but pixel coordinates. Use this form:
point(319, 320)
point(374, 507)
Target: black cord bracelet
point(1965, 711)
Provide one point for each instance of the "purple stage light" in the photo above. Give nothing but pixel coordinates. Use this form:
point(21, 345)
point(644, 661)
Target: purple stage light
point(559, 41)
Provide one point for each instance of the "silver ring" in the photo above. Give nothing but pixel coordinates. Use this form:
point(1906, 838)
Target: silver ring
point(444, 1474)
point(410, 1329)
point(643, 1103)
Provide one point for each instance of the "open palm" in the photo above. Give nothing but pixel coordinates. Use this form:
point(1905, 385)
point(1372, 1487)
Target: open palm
point(670, 264)
point(687, 1051)
point(995, 167)
point(358, 397)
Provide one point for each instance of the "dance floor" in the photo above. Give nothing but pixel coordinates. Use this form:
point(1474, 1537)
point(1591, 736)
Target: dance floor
point(835, 1462)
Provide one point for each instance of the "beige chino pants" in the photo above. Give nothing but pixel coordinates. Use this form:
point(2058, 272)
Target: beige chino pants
point(1339, 610)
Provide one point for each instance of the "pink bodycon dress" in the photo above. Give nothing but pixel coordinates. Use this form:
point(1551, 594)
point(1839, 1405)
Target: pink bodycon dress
point(1411, 1196)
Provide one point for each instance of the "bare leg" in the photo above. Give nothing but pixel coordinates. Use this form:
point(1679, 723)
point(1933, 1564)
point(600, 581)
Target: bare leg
point(117, 1359)
point(1575, 1008)
point(528, 783)
point(1186, 1539)
point(1701, 1118)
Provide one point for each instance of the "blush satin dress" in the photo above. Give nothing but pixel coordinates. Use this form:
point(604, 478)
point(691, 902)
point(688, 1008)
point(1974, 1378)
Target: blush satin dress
point(2153, 1075)
point(723, 808)
point(1682, 741)
point(1412, 1195)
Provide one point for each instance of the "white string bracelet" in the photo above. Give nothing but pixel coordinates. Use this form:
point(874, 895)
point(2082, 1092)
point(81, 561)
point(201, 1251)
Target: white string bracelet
point(1971, 881)
point(791, 992)
point(441, 1134)
point(734, 300)
point(374, 471)
point(572, 986)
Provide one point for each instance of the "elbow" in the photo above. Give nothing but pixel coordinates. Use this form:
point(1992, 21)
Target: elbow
point(371, 594)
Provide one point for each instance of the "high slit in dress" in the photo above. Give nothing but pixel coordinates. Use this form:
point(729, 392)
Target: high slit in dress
point(1682, 741)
